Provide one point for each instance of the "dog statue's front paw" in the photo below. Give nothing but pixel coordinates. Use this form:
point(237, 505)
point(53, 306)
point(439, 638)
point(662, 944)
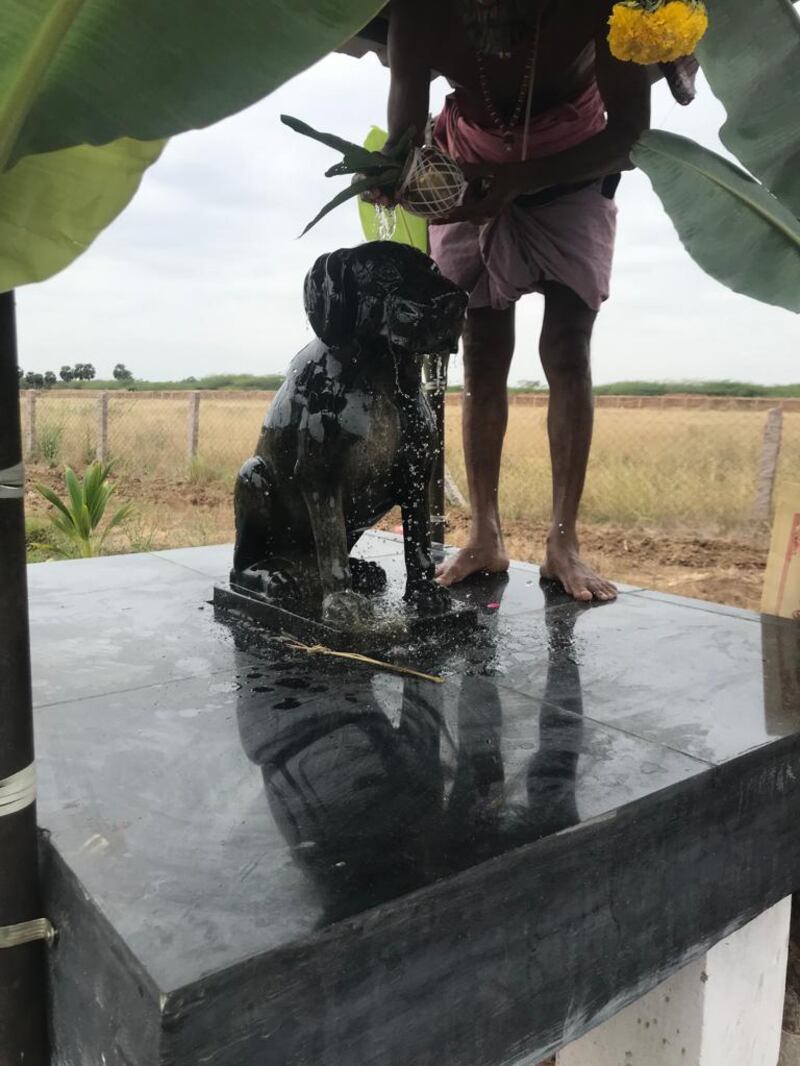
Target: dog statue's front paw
point(429, 597)
point(347, 610)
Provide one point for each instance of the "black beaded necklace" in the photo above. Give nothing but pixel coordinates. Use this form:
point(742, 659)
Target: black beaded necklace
point(525, 93)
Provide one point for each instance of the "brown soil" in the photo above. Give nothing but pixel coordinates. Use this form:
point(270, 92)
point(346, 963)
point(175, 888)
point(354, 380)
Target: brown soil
point(709, 568)
point(725, 570)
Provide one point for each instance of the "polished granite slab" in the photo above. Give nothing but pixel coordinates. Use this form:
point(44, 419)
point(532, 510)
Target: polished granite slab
point(255, 855)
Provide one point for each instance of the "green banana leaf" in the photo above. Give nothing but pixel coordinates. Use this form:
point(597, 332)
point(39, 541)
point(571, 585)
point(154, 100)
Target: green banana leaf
point(731, 226)
point(751, 57)
point(76, 74)
point(409, 229)
point(92, 71)
point(53, 206)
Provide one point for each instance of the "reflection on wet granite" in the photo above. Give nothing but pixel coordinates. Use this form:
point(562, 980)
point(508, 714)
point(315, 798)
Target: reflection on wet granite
point(692, 680)
point(374, 808)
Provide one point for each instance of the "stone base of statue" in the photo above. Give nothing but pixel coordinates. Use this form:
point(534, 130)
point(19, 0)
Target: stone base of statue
point(372, 620)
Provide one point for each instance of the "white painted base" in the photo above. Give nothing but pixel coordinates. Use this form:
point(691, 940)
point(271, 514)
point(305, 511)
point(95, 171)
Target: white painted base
point(723, 1010)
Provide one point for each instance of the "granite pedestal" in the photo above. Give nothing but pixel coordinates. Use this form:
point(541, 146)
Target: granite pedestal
point(255, 856)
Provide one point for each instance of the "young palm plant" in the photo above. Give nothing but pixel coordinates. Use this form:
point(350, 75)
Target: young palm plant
point(78, 518)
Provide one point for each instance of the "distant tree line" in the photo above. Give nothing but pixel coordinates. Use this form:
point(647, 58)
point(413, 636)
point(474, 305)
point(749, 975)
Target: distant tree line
point(82, 375)
point(123, 379)
point(68, 374)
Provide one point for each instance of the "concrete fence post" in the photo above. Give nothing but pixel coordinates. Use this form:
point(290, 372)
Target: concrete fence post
point(193, 426)
point(102, 427)
point(768, 464)
point(30, 425)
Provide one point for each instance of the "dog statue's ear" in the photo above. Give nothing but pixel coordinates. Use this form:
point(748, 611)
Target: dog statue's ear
point(330, 299)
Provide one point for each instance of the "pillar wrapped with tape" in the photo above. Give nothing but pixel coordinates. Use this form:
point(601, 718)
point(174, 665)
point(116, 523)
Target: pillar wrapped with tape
point(23, 1033)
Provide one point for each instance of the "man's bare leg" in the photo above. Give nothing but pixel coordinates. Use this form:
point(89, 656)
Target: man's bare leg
point(564, 347)
point(488, 348)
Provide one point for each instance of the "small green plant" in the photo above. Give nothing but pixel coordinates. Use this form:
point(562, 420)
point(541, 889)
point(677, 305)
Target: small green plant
point(141, 535)
point(49, 441)
point(78, 519)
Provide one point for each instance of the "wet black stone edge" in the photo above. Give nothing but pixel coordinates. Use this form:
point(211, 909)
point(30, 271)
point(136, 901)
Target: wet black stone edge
point(708, 606)
point(526, 952)
point(101, 999)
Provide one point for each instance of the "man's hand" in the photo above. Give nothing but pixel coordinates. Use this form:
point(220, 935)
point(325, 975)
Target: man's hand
point(492, 187)
point(378, 197)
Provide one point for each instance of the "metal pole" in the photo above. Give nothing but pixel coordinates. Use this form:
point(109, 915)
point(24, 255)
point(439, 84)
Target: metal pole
point(436, 388)
point(30, 428)
point(23, 1030)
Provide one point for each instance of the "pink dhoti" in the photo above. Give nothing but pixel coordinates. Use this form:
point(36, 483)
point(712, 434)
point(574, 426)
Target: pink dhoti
point(564, 235)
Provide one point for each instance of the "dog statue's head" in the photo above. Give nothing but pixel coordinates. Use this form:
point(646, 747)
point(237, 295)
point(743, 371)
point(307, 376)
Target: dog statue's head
point(383, 289)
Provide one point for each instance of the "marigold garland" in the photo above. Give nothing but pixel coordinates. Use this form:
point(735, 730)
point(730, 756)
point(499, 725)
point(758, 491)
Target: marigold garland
point(656, 31)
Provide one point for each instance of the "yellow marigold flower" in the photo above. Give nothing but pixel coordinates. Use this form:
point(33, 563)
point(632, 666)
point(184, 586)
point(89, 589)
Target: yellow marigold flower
point(658, 34)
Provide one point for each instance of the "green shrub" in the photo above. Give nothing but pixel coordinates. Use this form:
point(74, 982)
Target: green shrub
point(77, 520)
point(38, 536)
point(49, 439)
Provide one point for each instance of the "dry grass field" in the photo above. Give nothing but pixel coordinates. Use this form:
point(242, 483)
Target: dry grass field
point(668, 502)
point(671, 469)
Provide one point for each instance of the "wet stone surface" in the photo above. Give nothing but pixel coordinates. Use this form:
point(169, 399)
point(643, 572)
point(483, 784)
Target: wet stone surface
point(222, 803)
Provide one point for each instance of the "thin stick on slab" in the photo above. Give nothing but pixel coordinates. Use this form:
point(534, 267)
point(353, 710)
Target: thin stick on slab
point(320, 649)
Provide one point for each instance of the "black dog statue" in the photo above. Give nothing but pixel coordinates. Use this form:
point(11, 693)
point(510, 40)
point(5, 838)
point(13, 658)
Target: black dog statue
point(349, 435)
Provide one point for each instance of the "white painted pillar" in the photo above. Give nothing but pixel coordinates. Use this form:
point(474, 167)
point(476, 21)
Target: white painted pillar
point(723, 1010)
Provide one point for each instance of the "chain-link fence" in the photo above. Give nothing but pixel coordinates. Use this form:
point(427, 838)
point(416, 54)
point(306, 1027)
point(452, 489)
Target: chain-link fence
point(700, 464)
point(706, 465)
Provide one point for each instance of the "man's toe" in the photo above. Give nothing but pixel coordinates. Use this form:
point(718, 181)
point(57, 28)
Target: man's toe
point(450, 574)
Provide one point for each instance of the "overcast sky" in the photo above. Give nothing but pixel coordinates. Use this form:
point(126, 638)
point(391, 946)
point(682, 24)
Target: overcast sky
point(203, 272)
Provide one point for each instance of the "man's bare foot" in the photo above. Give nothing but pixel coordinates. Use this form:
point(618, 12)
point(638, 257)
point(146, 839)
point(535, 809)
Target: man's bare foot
point(563, 563)
point(474, 559)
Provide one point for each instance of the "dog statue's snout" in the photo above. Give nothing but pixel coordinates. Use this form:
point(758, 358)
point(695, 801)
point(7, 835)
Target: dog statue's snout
point(452, 306)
